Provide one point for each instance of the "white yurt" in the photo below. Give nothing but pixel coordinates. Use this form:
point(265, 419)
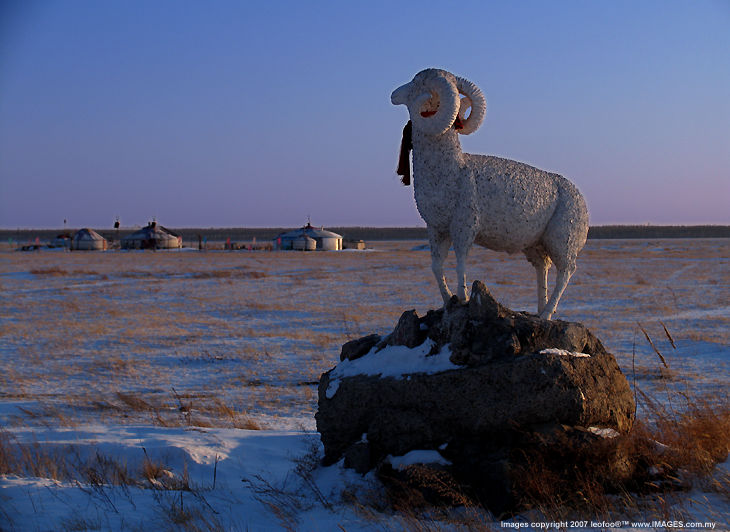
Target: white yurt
point(304, 243)
point(88, 240)
point(154, 236)
point(297, 239)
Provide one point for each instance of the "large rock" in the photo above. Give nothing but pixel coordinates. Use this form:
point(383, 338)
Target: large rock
point(484, 382)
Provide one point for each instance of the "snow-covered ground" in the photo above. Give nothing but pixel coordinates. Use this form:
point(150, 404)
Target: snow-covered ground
point(177, 390)
point(227, 478)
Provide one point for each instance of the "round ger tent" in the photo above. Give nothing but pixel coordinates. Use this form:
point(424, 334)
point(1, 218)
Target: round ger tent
point(88, 240)
point(304, 243)
point(324, 240)
point(152, 237)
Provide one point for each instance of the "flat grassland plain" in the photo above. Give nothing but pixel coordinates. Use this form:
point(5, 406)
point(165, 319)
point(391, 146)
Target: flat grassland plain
point(205, 365)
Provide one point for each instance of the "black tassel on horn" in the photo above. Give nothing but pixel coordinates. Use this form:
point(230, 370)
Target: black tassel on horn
point(404, 161)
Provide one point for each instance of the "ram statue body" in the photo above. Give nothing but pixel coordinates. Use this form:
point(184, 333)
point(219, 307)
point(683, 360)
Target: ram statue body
point(497, 203)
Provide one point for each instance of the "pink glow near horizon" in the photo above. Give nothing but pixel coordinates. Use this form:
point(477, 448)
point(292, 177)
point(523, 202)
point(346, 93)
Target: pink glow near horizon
point(241, 115)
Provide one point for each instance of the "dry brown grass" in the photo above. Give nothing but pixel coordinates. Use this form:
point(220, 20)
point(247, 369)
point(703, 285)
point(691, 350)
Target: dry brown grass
point(31, 460)
point(134, 402)
point(226, 274)
point(239, 420)
point(97, 472)
point(237, 333)
point(148, 317)
point(53, 270)
point(189, 517)
point(49, 415)
point(670, 450)
point(402, 508)
point(632, 476)
point(694, 434)
point(422, 487)
point(66, 464)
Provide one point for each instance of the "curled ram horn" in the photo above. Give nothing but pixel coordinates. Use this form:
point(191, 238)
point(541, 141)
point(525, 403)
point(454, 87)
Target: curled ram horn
point(478, 105)
point(422, 101)
point(464, 107)
point(442, 107)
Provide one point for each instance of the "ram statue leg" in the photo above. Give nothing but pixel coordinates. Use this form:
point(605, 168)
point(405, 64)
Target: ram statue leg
point(564, 275)
point(563, 239)
point(541, 262)
point(462, 244)
point(542, 297)
point(440, 244)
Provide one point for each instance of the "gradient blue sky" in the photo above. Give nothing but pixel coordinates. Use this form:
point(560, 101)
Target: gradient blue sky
point(261, 113)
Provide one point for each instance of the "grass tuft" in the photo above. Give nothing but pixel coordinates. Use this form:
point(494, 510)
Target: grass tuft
point(50, 271)
point(667, 451)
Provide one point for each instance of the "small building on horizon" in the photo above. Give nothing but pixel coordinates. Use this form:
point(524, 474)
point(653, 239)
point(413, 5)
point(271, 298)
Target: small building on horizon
point(355, 244)
point(304, 243)
point(88, 240)
point(302, 239)
point(154, 236)
point(62, 240)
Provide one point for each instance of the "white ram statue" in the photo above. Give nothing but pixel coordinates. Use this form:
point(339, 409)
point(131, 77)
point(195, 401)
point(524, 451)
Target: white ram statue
point(470, 199)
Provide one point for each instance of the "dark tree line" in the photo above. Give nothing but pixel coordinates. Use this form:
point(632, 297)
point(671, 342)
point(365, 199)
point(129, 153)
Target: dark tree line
point(659, 231)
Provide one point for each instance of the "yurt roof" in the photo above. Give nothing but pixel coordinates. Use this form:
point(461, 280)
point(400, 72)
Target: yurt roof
point(87, 234)
point(309, 231)
point(152, 231)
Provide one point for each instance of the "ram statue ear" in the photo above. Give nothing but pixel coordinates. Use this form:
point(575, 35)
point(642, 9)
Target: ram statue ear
point(404, 161)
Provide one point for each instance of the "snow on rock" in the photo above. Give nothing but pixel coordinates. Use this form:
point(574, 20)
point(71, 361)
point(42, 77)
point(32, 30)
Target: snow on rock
point(396, 361)
point(606, 432)
point(564, 353)
point(332, 388)
point(417, 457)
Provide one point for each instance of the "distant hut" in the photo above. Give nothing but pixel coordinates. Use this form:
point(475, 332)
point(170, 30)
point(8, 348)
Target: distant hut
point(88, 240)
point(61, 241)
point(304, 243)
point(297, 239)
point(355, 244)
point(153, 236)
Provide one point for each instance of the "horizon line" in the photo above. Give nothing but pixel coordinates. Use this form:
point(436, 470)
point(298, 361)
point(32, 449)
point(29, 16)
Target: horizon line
point(262, 227)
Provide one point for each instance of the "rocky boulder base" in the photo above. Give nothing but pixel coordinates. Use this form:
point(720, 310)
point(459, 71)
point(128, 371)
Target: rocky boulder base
point(473, 388)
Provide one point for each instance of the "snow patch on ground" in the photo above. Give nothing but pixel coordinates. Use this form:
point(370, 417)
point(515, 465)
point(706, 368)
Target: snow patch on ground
point(236, 476)
point(249, 467)
point(699, 314)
